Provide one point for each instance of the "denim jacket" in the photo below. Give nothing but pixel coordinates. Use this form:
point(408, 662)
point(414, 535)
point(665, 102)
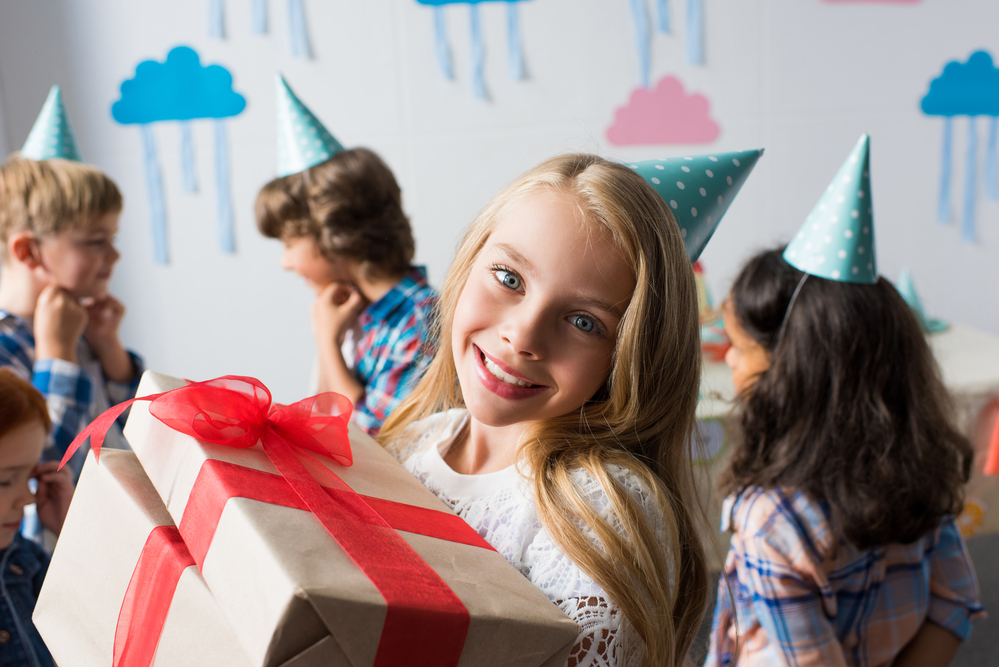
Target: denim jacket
point(23, 565)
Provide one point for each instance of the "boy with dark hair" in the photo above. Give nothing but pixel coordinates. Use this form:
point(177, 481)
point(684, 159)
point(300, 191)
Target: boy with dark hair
point(339, 214)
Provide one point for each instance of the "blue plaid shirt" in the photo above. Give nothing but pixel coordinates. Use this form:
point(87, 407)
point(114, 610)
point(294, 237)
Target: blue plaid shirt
point(804, 596)
point(393, 348)
point(75, 393)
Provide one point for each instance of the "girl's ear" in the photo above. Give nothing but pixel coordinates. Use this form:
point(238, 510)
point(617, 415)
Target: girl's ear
point(23, 248)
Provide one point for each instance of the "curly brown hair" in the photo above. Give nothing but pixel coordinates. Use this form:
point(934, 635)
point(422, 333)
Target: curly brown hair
point(852, 409)
point(351, 205)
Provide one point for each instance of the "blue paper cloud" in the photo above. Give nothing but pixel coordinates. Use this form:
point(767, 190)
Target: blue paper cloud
point(965, 89)
point(438, 3)
point(178, 89)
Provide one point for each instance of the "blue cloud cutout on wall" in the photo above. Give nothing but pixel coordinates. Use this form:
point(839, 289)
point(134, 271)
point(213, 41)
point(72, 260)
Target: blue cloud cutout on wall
point(178, 89)
point(438, 3)
point(965, 89)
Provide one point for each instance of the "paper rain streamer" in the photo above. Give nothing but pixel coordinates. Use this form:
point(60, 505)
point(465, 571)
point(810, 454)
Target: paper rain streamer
point(877, 2)
point(515, 50)
point(643, 33)
point(966, 89)
point(181, 89)
point(298, 32)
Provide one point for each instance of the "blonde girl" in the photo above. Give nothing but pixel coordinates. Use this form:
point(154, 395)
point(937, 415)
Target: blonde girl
point(557, 414)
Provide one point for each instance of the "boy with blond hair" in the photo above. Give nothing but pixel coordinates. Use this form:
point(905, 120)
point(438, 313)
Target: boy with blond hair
point(58, 323)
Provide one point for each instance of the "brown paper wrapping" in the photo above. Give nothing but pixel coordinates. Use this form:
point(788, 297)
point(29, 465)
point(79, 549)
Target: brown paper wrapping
point(114, 509)
point(286, 587)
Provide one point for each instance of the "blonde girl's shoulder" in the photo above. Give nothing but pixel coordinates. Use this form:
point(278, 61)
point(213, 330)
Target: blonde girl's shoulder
point(430, 431)
point(598, 497)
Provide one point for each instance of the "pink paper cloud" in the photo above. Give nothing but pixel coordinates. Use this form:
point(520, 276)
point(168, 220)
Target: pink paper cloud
point(664, 115)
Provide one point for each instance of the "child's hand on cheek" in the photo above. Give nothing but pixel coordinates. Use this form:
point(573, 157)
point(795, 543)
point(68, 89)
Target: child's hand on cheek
point(55, 491)
point(106, 314)
point(334, 311)
point(59, 322)
point(102, 327)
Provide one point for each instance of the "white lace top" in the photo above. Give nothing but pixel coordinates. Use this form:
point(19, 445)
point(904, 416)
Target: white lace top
point(499, 506)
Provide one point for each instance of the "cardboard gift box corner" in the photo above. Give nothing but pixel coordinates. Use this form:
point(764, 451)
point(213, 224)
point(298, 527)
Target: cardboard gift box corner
point(114, 510)
point(289, 591)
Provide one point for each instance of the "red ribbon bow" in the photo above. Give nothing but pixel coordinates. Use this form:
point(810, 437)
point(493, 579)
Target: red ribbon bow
point(237, 411)
point(425, 622)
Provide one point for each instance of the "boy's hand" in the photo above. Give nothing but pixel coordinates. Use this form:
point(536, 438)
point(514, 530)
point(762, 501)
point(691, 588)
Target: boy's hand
point(59, 322)
point(334, 311)
point(106, 314)
point(102, 327)
point(55, 491)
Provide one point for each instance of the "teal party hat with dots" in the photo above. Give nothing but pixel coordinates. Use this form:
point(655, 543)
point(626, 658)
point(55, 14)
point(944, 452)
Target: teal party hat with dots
point(907, 288)
point(837, 240)
point(51, 136)
point(302, 141)
point(699, 189)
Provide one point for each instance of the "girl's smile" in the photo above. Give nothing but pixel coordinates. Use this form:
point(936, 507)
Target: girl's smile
point(503, 380)
point(536, 323)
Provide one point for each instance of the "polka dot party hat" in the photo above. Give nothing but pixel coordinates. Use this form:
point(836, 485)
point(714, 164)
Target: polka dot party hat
point(51, 136)
point(302, 141)
point(699, 189)
point(837, 240)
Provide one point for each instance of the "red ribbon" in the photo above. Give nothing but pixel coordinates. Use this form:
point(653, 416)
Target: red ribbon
point(163, 559)
point(425, 622)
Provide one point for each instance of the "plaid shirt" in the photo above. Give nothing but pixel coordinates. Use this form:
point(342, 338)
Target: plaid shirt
point(75, 393)
point(393, 349)
point(805, 597)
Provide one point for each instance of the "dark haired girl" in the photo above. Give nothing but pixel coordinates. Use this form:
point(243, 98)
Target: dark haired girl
point(845, 478)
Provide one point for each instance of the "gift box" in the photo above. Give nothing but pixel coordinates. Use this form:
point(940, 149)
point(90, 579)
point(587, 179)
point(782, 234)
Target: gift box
point(114, 514)
point(329, 551)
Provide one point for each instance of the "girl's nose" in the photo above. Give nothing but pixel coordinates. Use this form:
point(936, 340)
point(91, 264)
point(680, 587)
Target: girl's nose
point(525, 331)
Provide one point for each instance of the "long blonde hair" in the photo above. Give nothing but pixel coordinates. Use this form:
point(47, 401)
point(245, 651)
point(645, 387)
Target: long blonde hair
point(643, 419)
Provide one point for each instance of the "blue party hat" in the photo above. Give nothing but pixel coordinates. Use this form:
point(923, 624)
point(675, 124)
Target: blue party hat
point(907, 288)
point(699, 189)
point(302, 141)
point(51, 136)
point(837, 240)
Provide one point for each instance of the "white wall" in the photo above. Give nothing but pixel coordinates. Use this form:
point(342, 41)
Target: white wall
point(802, 78)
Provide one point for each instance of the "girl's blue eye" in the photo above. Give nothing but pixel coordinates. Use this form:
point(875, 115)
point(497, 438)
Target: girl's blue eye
point(583, 323)
point(509, 280)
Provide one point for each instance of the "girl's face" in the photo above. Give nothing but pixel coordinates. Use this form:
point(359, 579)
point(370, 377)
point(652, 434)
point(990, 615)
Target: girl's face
point(746, 357)
point(301, 255)
point(81, 260)
point(20, 450)
point(536, 323)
